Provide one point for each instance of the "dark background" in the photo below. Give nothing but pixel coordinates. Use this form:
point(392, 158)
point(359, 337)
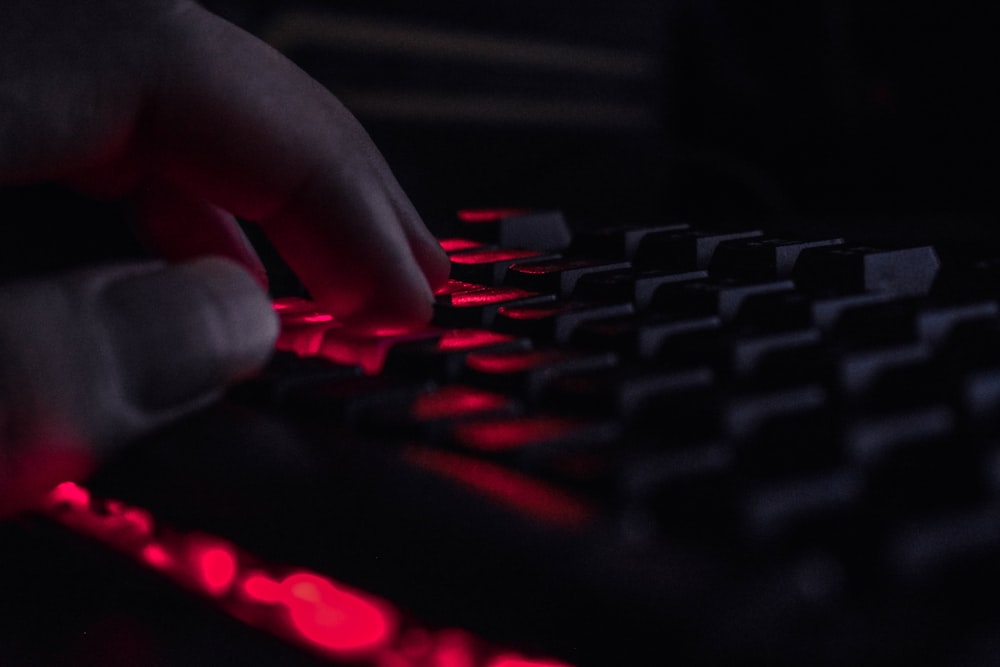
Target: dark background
point(834, 109)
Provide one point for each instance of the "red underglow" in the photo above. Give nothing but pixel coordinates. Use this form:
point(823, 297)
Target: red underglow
point(261, 588)
point(70, 494)
point(369, 350)
point(334, 618)
point(453, 245)
point(216, 566)
point(514, 661)
point(156, 556)
point(512, 362)
point(485, 296)
point(456, 340)
point(292, 303)
point(453, 286)
point(506, 487)
point(540, 312)
point(499, 435)
point(494, 255)
point(456, 401)
point(454, 648)
point(489, 215)
point(542, 268)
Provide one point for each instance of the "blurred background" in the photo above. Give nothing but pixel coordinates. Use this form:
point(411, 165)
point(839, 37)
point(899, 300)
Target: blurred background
point(639, 109)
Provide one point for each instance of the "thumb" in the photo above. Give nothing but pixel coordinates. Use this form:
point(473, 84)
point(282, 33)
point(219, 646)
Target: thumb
point(95, 357)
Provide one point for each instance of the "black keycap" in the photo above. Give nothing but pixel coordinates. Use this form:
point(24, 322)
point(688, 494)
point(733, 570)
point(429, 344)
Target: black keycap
point(761, 259)
point(526, 373)
point(635, 286)
point(542, 230)
point(616, 242)
point(852, 268)
point(554, 322)
point(287, 371)
point(489, 266)
point(721, 298)
point(687, 250)
point(559, 276)
point(640, 336)
point(444, 358)
point(477, 308)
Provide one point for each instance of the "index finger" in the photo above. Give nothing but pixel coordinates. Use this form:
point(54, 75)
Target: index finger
point(235, 122)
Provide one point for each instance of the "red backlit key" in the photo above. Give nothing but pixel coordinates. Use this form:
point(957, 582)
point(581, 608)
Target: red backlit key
point(533, 438)
point(544, 230)
point(302, 326)
point(477, 308)
point(432, 412)
point(457, 245)
point(554, 322)
point(489, 266)
point(369, 349)
point(443, 359)
point(557, 277)
point(528, 372)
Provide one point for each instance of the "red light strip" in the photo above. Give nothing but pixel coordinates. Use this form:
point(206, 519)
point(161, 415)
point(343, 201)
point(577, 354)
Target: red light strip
point(302, 607)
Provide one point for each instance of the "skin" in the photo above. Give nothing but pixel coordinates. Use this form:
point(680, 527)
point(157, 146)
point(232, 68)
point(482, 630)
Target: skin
point(164, 104)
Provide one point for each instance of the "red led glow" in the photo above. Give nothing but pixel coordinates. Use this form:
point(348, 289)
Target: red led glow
point(453, 245)
point(494, 255)
point(156, 556)
point(369, 349)
point(489, 295)
point(333, 618)
point(70, 494)
point(457, 340)
point(456, 401)
point(216, 567)
point(506, 487)
point(530, 312)
point(261, 588)
point(289, 304)
point(489, 215)
point(515, 661)
point(498, 435)
point(453, 286)
point(513, 362)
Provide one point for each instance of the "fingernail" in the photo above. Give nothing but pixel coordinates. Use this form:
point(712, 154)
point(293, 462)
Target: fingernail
point(187, 331)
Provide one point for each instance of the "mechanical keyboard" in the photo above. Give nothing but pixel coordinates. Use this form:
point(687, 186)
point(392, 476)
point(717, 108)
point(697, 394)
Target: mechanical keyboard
point(621, 445)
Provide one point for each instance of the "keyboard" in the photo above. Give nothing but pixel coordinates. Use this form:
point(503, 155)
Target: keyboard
point(620, 445)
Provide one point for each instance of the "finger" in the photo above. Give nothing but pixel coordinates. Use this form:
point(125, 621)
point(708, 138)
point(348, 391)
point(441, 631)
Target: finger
point(93, 358)
point(178, 227)
point(273, 146)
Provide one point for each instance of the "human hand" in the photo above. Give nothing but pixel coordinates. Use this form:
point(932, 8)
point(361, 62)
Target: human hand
point(196, 121)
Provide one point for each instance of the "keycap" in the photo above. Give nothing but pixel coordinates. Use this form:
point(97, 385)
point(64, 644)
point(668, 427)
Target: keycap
point(526, 373)
point(368, 349)
point(433, 411)
point(686, 250)
point(619, 242)
point(533, 437)
point(761, 259)
point(637, 287)
point(721, 298)
point(287, 371)
point(477, 308)
point(868, 440)
point(903, 272)
point(542, 230)
point(442, 359)
point(554, 322)
point(910, 320)
point(641, 337)
point(559, 276)
point(489, 266)
point(796, 310)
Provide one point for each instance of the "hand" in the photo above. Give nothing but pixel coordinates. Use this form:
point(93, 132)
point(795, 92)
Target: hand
point(197, 121)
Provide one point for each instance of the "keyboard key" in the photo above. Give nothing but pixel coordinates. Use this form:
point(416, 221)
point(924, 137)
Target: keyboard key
point(761, 259)
point(623, 286)
point(559, 276)
point(432, 412)
point(526, 373)
point(852, 268)
point(532, 437)
point(686, 250)
point(616, 242)
point(443, 359)
point(554, 322)
point(542, 230)
point(288, 371)
point(489, 266)
point(722, 299)
point(477, 308)
point(640, 337)
point(369, 349)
